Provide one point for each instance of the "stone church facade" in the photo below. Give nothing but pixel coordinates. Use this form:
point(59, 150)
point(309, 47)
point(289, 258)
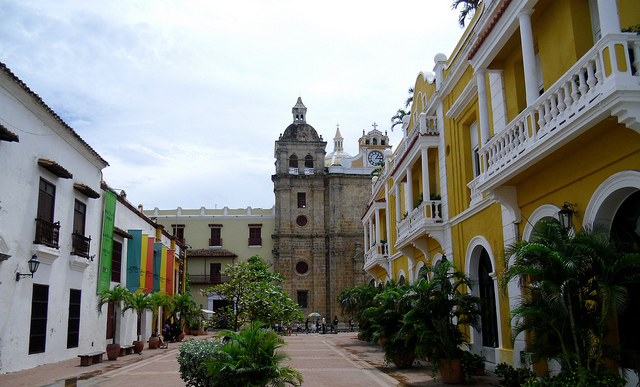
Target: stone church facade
point(318, 235)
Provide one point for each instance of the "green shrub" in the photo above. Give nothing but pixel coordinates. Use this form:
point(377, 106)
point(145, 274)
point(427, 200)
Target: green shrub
point(191, 357)
point(573, 379)
point(512, 377)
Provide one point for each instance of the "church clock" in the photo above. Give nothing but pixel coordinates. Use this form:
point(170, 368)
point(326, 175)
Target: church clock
point(375, 158)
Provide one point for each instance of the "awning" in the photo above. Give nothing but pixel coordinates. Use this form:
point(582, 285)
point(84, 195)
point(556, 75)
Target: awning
point(207, 311)
point(86, 190)
point(7, 135)
point(55, 168)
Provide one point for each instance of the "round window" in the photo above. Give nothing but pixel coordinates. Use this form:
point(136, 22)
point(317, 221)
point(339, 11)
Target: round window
point(302, 267)
point(301, 220)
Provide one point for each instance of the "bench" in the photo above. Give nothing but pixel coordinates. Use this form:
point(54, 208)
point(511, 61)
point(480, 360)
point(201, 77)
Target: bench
point(126, 349)
point(90, 358)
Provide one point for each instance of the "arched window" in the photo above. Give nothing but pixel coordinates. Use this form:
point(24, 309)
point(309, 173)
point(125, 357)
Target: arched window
point(375, 141)
point(626, 228)
point(308, 161)
point(293, 161)
point(488, 309)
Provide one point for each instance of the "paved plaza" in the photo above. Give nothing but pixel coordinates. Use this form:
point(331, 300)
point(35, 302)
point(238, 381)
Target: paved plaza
point(324, 360)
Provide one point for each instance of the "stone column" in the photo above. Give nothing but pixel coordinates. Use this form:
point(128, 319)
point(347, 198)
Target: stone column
point(377, 226)
point(609, 17)
point(426, 194)
point(528, 56)
point(408, 191)
point(366, 237)
point(398, 210)
point(483, 106)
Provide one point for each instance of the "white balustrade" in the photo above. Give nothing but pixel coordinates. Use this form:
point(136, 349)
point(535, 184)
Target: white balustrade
point(571, 96)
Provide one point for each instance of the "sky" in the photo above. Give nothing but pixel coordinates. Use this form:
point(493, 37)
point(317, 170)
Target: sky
point(185, 99)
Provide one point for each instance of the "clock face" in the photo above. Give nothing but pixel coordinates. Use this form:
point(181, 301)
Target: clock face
point(375, 158)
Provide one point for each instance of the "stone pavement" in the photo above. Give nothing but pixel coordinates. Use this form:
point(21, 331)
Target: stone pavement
point(323, 360)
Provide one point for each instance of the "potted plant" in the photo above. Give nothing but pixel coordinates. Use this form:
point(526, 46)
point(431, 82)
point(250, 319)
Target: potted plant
point(139, 302)
point(386, 322)
point(473, 364)
point(438, 308)
point(157, 301)
point(195, 327)
point(117, 296)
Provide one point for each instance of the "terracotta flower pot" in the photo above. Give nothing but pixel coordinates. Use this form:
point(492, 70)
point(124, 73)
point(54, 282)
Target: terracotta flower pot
point(180, 336)
point(154, 342)
point(451, 371)
point(404, 361)
point(113, 350)
point(383, 341)
point(138, 346)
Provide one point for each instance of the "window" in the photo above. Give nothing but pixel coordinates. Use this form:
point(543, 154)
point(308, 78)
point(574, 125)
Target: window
point(375, 141)
point(475, 157)
point(215, 268)
point(255, 235)
point(308, 161)
point(116, 261)
point(216, 235)
point(46, 231)
point(301, 220)
point(293, 161)
point(178, 231)
point(302, 267)
point(38, 330)
point(80, 244)
point(73, 326)
point(302, 298)
point(302, 200)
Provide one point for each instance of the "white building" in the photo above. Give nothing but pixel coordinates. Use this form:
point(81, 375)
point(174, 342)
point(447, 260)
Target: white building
point(50, 207)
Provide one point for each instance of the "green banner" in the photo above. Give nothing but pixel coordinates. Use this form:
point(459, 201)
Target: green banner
point(106, 251)
point(134, 248)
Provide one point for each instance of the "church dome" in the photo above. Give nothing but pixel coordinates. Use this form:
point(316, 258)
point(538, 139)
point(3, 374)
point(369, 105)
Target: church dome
point(300, 131)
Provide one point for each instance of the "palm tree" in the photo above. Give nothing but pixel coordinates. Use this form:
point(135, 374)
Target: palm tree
point(139, 302)
point(183, 308)
point(573, 286)
point(117, 295)
point(158, 301)
point(251, 358)
point(468, 8)
point(397, 118)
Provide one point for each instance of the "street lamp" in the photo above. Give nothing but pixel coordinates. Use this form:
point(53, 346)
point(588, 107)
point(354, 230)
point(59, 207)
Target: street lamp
point(33, 267)
point(565, 215)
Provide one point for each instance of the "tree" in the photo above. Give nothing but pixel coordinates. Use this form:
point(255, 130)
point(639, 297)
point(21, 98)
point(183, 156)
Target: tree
point(250, 358)
point(158, 301)
point(254, 295)
point(117, 296)
point(397, 118)
point(468, 8)
point(139, 302)
point(574, 285)
point(183, 308)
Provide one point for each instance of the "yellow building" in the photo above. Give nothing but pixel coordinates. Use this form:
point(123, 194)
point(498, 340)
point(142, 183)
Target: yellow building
point(215, 238)
point(537, 106)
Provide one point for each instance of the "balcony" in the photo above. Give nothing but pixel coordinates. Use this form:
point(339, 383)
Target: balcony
point(47, 233)
point(424, 219)
point(208, 279)
point(603, 82)
point(293, 171)
point(80, 245)
point(255, 241)
point(308, 171)
point(377, 255)
point(215, 242)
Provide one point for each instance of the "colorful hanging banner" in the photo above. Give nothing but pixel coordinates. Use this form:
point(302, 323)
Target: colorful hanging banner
point(143, 262)
point(134, 249)
point(148, 280)
point(163, 271)
point(157, 264)
point(106, 249)
point(170, 258)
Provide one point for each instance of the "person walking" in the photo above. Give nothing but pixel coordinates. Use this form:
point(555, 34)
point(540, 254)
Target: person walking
point(306, 325)
point(335, 324)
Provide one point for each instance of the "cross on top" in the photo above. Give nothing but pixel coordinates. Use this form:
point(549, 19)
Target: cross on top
point(375, 126)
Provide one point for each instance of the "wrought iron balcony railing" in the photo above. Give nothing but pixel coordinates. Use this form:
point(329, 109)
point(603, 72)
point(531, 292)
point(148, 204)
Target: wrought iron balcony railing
point(80, 245)
point(47, 233)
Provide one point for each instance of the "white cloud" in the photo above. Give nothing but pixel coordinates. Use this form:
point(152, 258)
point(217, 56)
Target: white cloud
point(185, 99)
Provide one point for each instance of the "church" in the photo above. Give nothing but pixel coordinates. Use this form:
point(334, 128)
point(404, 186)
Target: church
point(319, 202)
